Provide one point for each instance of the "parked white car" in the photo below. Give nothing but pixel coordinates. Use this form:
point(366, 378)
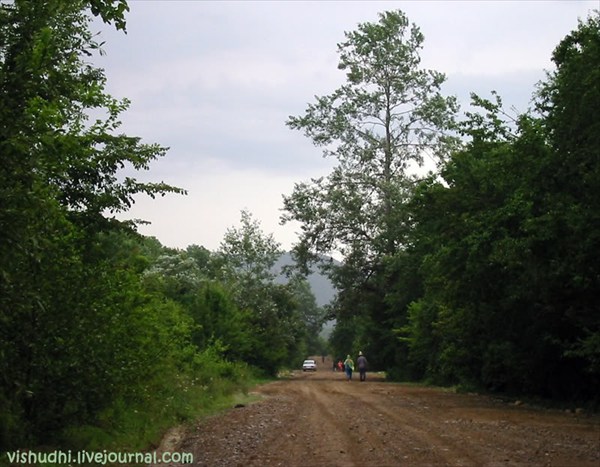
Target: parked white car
point(309, 365)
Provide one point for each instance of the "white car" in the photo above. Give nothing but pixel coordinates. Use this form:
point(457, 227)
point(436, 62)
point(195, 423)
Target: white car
point(309, 365)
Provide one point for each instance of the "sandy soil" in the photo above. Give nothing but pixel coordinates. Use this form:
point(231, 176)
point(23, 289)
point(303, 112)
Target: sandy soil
point(320, 419)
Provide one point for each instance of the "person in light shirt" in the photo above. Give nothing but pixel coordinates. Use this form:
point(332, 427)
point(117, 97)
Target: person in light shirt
point(349, 367)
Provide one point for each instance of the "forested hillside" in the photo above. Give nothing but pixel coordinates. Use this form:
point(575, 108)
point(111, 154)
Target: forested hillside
point(320, 285)
point(482, 273)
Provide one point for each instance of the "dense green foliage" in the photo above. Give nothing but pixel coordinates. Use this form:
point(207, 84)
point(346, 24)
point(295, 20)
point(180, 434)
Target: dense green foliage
point(280, 317)
point(492, 279)
point(62, 358)
point(507, 242)
point(106, 337)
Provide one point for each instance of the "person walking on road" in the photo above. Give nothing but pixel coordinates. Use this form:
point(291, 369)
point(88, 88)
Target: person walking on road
point(349, 366)
point(362, 363)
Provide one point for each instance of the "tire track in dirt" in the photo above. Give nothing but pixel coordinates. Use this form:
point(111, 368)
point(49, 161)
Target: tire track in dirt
point(338, 403)
point(391, 427)
point(419, 437)
point(323, 420)
point(319, 413)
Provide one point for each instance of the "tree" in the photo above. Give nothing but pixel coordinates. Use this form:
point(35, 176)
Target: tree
point(248, 256)
point(568, 101)
point(470, 235)
point(310, 315)
point(188, 278)
point(48, 90)
point(388, 116)
point(65, 307)
point(507, 242)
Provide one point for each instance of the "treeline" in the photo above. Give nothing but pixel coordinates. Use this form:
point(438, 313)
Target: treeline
point(107, 337)
point(484, 272)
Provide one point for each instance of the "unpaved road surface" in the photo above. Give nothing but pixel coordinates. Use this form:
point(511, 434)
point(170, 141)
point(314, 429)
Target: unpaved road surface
point(320, 419)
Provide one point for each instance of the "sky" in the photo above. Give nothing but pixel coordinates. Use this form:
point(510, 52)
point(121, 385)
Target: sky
point(216, 81)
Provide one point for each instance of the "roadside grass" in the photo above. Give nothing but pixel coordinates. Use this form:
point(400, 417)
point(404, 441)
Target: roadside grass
point(138, 426)
point(139, 429)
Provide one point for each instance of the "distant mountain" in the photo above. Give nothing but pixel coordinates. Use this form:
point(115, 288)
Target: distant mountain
point(321, 286)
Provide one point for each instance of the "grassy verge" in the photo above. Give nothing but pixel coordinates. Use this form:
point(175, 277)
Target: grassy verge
point(139, 424)
point(139, 427)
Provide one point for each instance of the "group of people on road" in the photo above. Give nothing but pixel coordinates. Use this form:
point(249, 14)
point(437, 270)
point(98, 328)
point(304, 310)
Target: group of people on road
point(348, 366)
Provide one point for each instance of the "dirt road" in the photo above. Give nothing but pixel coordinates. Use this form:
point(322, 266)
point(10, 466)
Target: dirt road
point(320, 419)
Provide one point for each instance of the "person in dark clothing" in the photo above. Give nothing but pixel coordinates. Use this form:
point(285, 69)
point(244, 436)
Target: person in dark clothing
point(361, 363)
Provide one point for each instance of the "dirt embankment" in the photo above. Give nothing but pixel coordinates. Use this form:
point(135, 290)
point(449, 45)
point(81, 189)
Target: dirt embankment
point(320, 419)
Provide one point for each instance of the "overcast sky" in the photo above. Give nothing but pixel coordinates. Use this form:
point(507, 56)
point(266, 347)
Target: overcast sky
point(216, 81)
